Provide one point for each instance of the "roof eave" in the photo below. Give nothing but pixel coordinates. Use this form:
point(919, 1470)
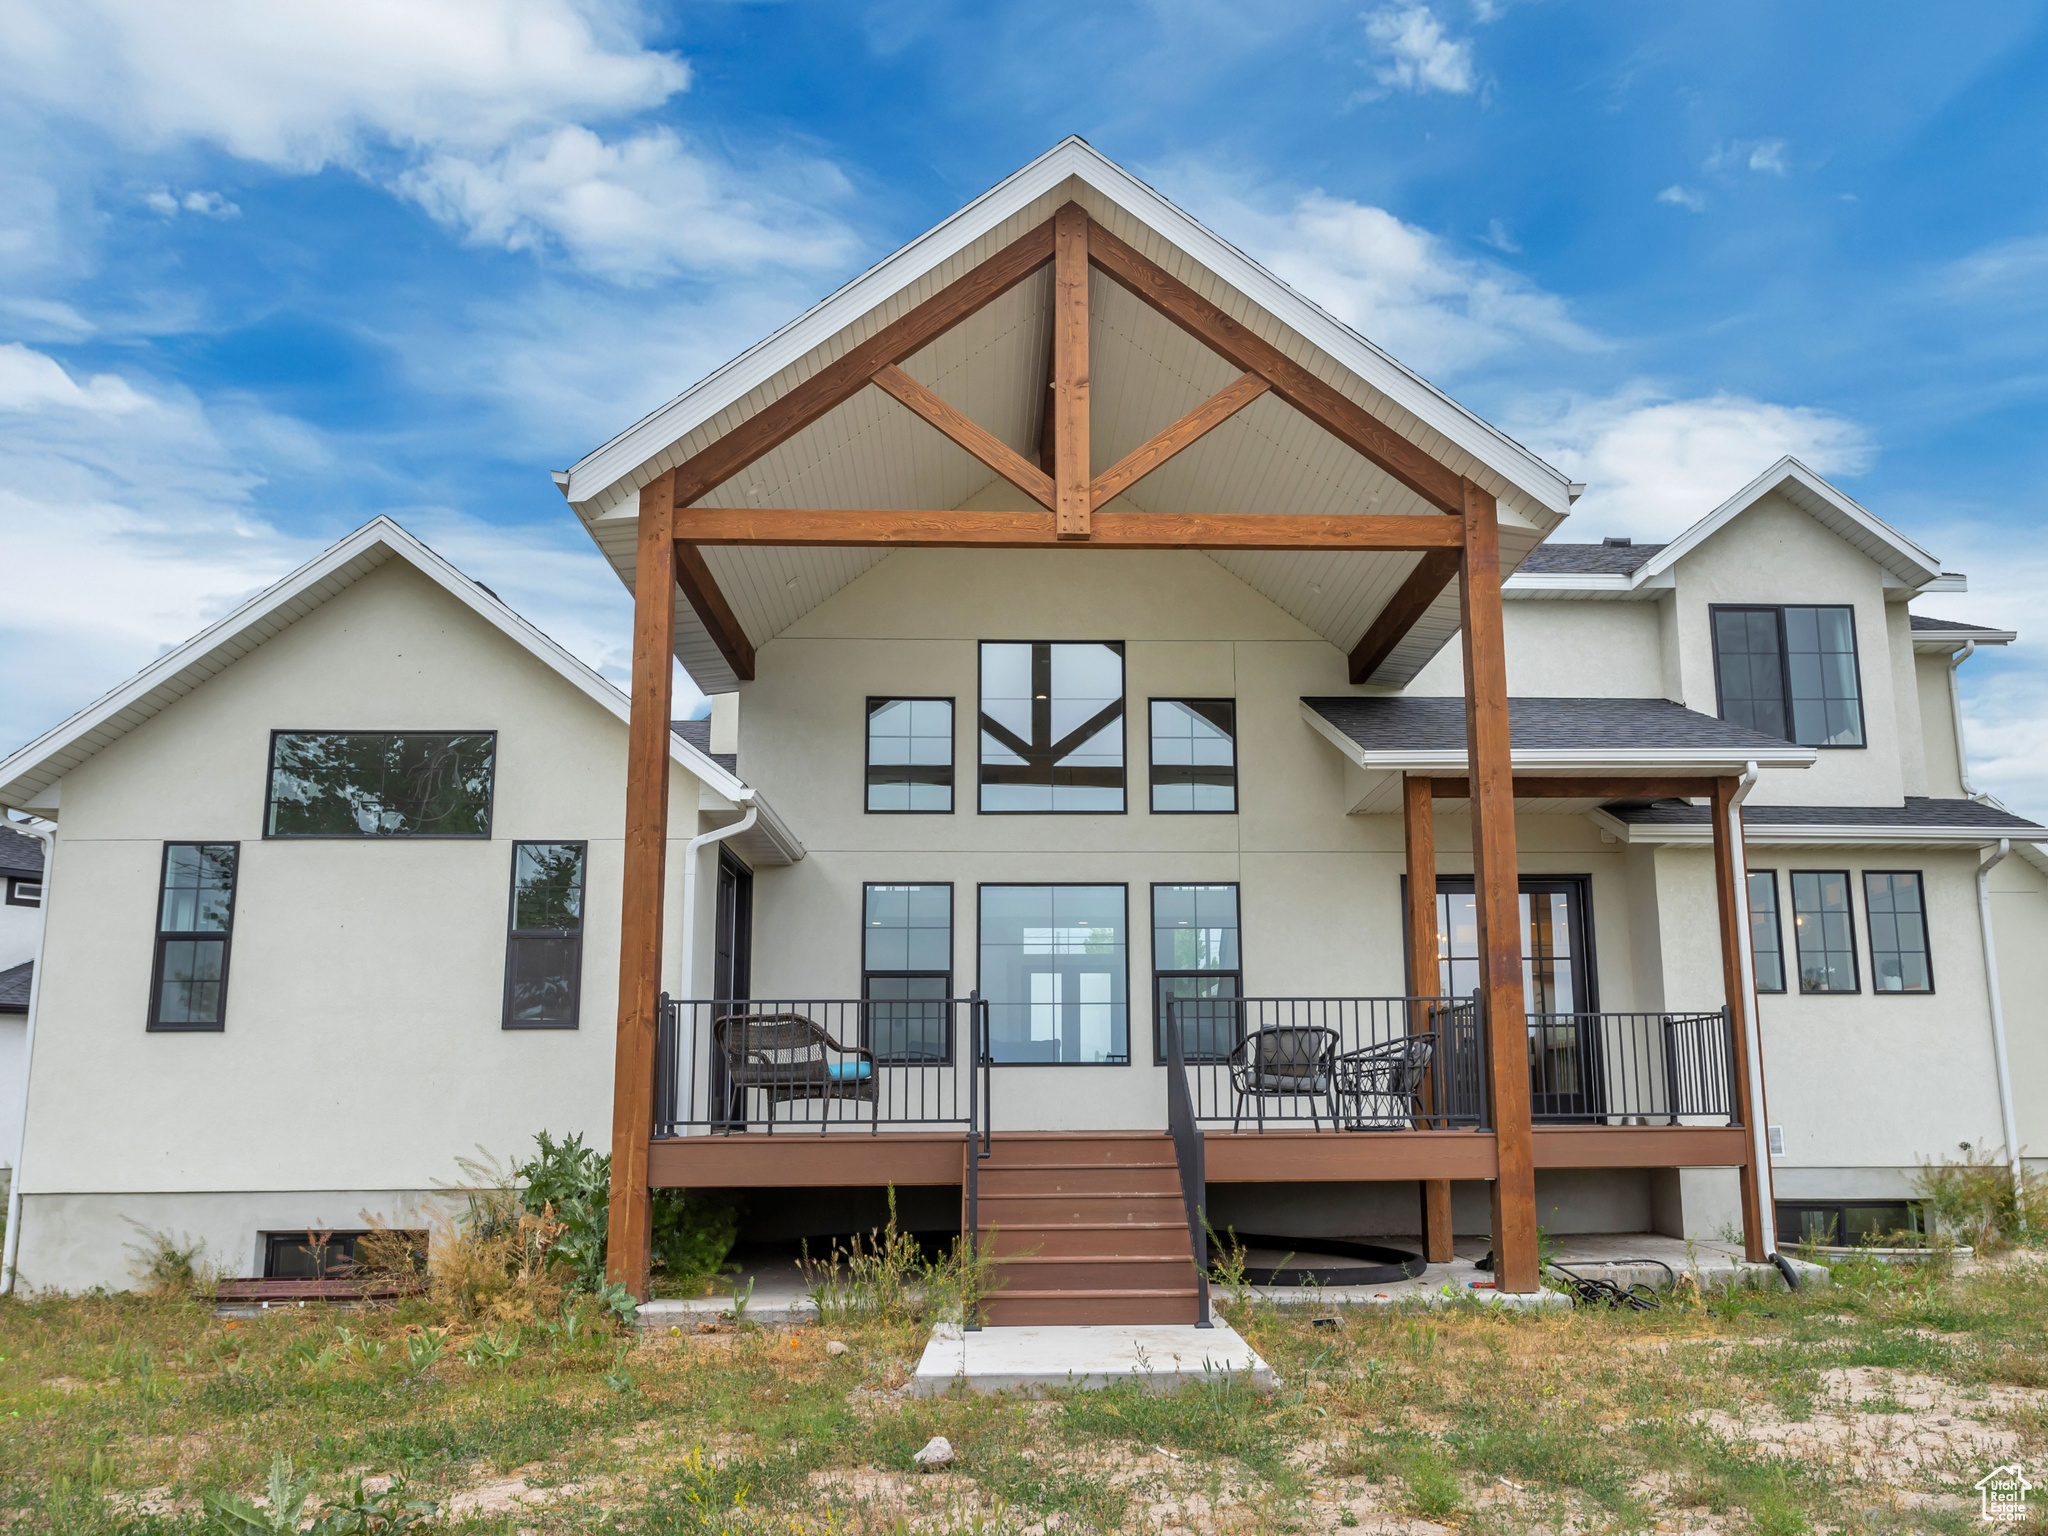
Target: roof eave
point(1814, 835)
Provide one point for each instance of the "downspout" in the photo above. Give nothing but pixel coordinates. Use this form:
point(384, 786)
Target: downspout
point(1955, 708)
point(1752, 1025)
point(28, 1056)
point(686, 1055)
point(2012, 1135)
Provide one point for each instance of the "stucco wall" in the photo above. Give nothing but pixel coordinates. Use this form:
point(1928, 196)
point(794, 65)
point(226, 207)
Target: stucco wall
point(363, 1049)
point(1938, 726)
point(1566, 650)
point(2019, 910)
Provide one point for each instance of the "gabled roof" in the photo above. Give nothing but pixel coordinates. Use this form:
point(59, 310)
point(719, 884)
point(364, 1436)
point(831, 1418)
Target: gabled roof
point(14, 987)
point(1904, 563)
point(27, 774)
point(870, 451)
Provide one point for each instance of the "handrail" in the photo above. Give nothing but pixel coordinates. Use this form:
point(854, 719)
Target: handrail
point(970, 1320)
point(1187, 1153)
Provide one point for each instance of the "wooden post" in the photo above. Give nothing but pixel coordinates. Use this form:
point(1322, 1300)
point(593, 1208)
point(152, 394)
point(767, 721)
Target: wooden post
point(1733, 902)
point(1498, 896)
point(1419, 821)
point(1070, 371)
point(646, 860)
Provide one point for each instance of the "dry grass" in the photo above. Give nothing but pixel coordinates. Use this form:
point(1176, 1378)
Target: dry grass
point(1867, 1407)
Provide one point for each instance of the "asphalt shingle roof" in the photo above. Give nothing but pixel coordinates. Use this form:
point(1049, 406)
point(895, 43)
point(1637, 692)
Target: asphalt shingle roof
point(1588, 559)
point(1922, 622)
point(698, 734)
point(19, 855)
point(14, 987)
point(1918, 811)
point(1537, 725)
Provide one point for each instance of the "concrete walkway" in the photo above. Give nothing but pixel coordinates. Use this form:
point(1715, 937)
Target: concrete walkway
point(1158, 1356)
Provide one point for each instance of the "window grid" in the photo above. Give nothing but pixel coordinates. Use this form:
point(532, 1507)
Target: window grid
point(1051, 727)
point(909, 756)
point(1194, 756)
point(544, 938)
point(1895, 908)
point(907, 971)
point(195, 924)
point(1790, 671)
point(1823, 929)
point(1766, 932)
point(1195, 956)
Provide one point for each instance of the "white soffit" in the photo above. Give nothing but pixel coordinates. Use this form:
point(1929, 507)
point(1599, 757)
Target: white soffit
point(1145, 372)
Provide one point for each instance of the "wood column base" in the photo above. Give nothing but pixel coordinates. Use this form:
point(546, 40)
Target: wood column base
point(1436, 1220)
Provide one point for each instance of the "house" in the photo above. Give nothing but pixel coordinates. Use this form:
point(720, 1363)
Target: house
point(1139, 705)
point(21, 921)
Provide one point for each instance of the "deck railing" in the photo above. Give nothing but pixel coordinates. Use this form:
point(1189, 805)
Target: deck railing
point(819, 1065)
point(1632, 1069)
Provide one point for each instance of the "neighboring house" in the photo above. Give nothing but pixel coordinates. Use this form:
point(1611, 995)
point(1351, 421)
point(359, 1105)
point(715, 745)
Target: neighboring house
point(1125, 719)
point(21, 921)
point(334, 903)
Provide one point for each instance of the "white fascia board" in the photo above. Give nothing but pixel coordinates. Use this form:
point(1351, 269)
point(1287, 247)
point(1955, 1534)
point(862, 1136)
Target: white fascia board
point(1907, 560)
point(1948, 581)
point(1452, 764)
point(1935, 642)
point(591, 479)
point(1815, 835)
point(1573, 584)
point(172, 675)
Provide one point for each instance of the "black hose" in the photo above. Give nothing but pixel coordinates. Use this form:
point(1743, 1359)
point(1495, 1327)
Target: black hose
point(1785, 1268)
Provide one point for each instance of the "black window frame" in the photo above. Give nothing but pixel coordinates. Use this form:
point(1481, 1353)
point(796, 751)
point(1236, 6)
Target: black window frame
point(1123, 719)
point(867, 977)
point(1839, 1209)
point(1785, 669)
point(16, 884)
point(269, 786)
point(1160, 975)
point(1778, 923)
point(981, 982)
point(1855, 960)
point(1578, 890)
point(159, 937)
point(1153, 765)
point(514, 933)
point(952, 703)
point(1926, 935)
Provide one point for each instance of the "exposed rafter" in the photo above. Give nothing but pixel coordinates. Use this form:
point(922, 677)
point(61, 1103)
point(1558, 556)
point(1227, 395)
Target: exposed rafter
point(1425, 584)
point(1038, 530)
point(716, 615)
point(1185, 433)
point(1070, 472)
point(969, 434)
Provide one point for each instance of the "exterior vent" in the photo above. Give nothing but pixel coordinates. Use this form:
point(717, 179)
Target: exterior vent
point(1617, 543)
point(1774, 1136)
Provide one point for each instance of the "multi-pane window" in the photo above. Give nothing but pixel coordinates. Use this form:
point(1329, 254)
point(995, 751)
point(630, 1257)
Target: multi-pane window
point(1055, 973)
point(910, 755)
point(1823, 930)
point(1766, 934)
point(544, 948)
point(1194, 755)
point(1790, 672)
point(1898, 932)
point(1052, 726)
point(1197, 975)
point(380, 784)
point(907, 971)
point(195, 923)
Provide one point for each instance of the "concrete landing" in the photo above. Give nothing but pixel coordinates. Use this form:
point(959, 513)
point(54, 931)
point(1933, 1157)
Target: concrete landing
point(1159, 1356)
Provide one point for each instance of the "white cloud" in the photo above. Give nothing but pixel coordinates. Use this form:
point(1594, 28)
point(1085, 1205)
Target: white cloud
point(483, 110)
point(1653, 465)
point(1401, 286)
point(1416, 54)
point(1682, 197)
point(33, 381)
point(2006, 266)
point(210, 204)
point(1762, 155)
point(1498, 237)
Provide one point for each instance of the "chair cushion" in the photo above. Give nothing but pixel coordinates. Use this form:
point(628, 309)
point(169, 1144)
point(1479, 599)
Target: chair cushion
point(849, 1071)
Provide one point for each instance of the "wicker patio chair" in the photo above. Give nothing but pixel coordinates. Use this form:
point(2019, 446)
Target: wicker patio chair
point(1283, 1062)
point(788, 1056)
point(1380, 1087)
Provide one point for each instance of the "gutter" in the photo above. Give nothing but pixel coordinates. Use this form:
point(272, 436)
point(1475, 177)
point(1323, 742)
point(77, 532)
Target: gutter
point(1752, 1027)
point(28, 1057)
point(1998, 1056)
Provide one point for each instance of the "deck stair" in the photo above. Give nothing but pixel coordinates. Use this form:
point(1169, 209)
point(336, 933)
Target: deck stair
point(1087, 1227)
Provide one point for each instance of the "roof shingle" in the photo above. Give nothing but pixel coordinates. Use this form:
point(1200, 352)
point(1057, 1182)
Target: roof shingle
point(1917, 811)
point(14, 984)
point(1588, 559)
point(1538, 725)
point(20, 855)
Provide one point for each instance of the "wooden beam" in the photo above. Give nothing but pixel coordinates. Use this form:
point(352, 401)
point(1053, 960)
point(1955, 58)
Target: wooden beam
point(846, 375)
point(1611, 787)
point(698, 585)
point(1425, 584)
point(1357, 427)
point(1191, 428)
point(1419, 824)
point(1070, 370)
point(1516, 1264)
point(629, 1230)
point(795, 526)
point(1733, 905)
point(969, 434)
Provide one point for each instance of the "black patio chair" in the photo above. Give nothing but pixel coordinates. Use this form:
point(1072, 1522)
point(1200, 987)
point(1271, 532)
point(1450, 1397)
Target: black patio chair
point(1288, 1061)
point(1381, 1087)
point(788, 1056)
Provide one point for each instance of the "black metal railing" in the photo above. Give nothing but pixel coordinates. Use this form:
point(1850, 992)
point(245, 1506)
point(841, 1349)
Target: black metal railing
point(761, 1064)
point(1194, 1176)
point(1632, 1069)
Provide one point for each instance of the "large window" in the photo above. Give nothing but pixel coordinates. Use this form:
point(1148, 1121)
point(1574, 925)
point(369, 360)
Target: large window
point(1766, 933)
point(910, 755)
point(1898, 931)
point(380, 784)
point(1823, 930)
point(1195, 964)
point(907, 971)
point(1052, 726)
point(1790, 672)
point(544, 948)
point(1194, 755)
point(1055, 972)
point(1556, 976)
point(195, 922)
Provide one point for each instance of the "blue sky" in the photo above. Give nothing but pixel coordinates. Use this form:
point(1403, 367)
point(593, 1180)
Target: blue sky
point(268, 268)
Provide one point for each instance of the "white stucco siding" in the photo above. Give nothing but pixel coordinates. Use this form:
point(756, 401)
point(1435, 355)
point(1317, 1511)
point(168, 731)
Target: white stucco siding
point(1914, 768)
point(1938, 726)
point(362, 1049)
point(2019, 907)
point(1775, 553)
point(1565, 650)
